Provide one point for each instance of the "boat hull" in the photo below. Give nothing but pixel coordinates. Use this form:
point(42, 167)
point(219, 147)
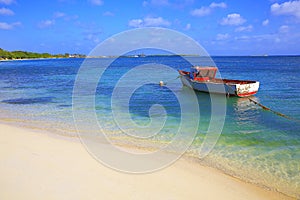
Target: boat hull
point(222, 86)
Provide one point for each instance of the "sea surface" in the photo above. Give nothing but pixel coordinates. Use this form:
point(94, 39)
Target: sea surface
point(255, 145)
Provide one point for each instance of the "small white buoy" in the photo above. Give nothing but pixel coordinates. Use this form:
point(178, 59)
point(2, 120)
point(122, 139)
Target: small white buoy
point(161, 83)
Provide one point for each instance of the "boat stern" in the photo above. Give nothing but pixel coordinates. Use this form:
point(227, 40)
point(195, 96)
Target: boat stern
point(248, 89)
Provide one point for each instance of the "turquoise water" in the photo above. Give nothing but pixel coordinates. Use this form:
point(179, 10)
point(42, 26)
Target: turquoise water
point(255, 145)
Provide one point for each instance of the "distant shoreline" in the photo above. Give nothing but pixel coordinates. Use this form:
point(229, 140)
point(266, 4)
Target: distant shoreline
point(20, 55)
point(133, 56)
point(18, 59)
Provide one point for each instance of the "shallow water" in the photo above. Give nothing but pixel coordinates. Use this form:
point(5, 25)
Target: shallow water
point(256, 145)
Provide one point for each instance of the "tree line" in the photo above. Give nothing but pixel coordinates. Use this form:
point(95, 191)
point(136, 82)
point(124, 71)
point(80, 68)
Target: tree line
point(4, 55)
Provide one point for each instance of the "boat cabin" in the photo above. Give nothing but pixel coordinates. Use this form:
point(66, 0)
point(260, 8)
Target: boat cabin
point(203, 73)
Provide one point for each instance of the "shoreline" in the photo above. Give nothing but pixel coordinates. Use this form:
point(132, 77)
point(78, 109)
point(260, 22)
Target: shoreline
point(134, 56)
point(31, 59)
point(51, 166)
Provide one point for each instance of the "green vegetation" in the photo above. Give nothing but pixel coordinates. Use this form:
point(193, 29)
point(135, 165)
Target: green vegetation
point(5, 55)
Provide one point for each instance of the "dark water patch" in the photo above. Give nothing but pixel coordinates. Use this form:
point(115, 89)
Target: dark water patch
point(64, 105)
point(37, 100)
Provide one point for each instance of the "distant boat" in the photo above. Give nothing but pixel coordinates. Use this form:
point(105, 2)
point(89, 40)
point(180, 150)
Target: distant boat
point(203, 79)
point(138, 56)
point(141, 55)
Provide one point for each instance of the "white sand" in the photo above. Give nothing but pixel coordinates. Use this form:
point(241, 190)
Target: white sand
point(40, 166)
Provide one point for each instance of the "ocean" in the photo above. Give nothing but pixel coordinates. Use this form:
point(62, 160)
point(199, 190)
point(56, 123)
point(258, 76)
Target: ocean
point(255, 145)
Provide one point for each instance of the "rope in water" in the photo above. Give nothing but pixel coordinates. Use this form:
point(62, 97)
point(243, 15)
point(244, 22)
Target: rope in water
point(273, 111)
point(269, 109)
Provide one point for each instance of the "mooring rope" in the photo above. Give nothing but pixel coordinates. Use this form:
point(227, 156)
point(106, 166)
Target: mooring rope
point(269, 109)
point(273, 111)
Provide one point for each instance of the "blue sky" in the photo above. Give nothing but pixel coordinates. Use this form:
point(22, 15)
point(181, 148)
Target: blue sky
point(228, 27)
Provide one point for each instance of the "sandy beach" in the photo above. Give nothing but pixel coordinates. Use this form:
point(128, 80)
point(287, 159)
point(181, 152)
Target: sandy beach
point(37, 165)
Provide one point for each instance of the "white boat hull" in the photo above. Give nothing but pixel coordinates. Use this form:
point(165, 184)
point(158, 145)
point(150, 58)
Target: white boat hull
point(221, 87)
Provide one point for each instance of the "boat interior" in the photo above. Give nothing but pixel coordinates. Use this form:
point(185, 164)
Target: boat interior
point(207, 74)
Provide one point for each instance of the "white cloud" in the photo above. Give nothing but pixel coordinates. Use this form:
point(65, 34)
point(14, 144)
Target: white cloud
point(287, 8)
point(6, 2)
point(6, 11)
point(108, 13)
point(7, 26)
point(159, 21)
point(206, 10)
point(96, 2)
point(284, 29)
point(242, 38)
point(64, 16)
point(46, 23)
point(244, 28)
point(222, 36)
point(257, 38)
point(145, 3)
point(59, 14)
point(279, 36)
point(233, 19)
point(203, 11)
point(159, 2)
point(177, 4)
point(265, 22)
point(93, 37)
point(188, 27)
point(218, 5)
point(91, 32)
point(148, 21)
point(136, 23)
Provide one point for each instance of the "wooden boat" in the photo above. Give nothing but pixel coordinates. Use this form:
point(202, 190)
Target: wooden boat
point(203, 79)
